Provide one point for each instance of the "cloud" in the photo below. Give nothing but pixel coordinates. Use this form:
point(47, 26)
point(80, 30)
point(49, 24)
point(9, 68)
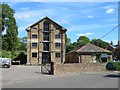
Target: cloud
point(33, 13)
point(90, 17)
point(65, 8)
point(21, 29)
point(25, 8)
point(110, 11)
point(107, 7)
point(63, 21)
point(85, 34)
point(85, 27)
point(23, 15)
point(12, 3)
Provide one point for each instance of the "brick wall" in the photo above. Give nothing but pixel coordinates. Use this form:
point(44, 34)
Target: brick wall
point(77, 68)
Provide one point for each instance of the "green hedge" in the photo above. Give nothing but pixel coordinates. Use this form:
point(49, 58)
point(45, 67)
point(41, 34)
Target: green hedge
point(117, 65)
point(8, 54)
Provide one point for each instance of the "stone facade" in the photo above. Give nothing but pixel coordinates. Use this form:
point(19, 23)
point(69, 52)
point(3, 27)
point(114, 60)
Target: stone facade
point(45, 42)
point(78, 68)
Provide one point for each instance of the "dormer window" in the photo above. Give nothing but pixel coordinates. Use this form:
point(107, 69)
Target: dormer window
point(58, 28)
point(34, 28)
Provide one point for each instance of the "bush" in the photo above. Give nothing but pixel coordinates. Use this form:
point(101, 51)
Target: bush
point(8, 54)
point(117, 65)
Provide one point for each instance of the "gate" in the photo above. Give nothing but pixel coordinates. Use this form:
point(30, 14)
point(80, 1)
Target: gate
point(47, 68)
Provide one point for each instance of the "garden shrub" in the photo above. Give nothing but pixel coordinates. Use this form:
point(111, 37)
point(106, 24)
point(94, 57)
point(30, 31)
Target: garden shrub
point(116, 64)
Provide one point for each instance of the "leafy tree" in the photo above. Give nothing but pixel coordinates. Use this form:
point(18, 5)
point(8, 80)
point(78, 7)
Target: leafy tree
point(70, 47)
point(0, 29)
point(10, 40)
point(67, 40)
point(100, 43)
point(82, 40)
point(4, 42)
point(23, 43)
point(7, 15)
point(0, 17)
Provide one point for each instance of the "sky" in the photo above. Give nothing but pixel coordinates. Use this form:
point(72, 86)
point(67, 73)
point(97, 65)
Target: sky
point(92, 19)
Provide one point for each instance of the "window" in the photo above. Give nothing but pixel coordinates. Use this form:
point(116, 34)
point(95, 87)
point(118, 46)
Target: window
point(46, 26)
point(34, 44)
point(57, 36)
point(57, 44)
point(34, 35)
point(34, 54)
point(46, 46)
point(58, 28)
point(34, 28)
point(57, 55)
point(46, 36)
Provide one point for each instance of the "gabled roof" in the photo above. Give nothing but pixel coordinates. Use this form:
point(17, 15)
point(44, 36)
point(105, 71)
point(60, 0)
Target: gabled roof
point(46, 18)
point(89, 48)
point(112, 46)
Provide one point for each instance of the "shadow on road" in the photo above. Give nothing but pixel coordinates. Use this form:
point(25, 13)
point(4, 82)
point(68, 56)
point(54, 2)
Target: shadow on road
point(113, 75)
point(43, 73)
point(38, 72)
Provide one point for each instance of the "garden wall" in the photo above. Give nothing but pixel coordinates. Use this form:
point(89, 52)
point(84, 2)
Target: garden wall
point(78, 68)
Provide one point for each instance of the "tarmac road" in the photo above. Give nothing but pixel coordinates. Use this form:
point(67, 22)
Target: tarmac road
point(30, 79)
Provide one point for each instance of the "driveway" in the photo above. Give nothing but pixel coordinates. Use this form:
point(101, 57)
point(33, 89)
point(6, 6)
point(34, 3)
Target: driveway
point(20, 73)
point(30, 77)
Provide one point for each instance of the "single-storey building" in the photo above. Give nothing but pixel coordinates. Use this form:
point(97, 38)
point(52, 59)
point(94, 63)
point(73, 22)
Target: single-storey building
point(88, 54)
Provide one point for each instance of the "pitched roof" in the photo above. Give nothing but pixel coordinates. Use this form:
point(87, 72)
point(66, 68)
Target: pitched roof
point(113, 46)
point(47, 19)
point(90, 48)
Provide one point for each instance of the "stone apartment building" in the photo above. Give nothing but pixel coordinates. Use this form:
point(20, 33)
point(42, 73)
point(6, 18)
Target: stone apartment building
point(45, 42)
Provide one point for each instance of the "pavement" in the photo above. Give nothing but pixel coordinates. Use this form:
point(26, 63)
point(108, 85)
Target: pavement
point(30, 77)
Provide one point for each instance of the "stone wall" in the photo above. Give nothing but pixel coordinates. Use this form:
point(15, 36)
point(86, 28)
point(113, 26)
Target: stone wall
point(77, 68)
point(86, 58)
